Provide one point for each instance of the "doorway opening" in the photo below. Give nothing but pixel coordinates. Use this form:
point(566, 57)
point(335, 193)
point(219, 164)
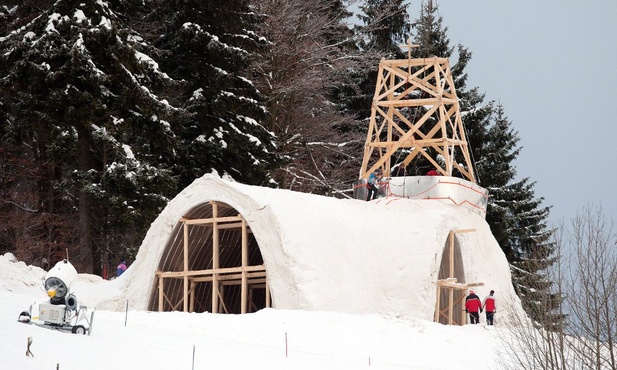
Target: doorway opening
point(211, 263)
point(451, 285)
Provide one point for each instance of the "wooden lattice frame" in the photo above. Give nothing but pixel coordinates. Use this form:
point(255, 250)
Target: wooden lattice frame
point(248, 277)
point(416, 83)
point(450, 285)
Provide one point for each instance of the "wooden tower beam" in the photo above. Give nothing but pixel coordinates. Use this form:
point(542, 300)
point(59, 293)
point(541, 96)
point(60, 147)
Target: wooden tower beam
point(423, 86)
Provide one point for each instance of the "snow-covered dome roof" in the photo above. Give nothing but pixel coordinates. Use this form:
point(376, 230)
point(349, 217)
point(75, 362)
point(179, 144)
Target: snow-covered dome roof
point(329, 254)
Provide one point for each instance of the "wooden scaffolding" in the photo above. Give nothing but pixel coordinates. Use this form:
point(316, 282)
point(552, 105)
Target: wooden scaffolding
point(415, 108)
point(247, 277)
point(450, 285)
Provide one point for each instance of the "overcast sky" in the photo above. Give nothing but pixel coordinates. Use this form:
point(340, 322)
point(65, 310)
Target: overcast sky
point(553, 66)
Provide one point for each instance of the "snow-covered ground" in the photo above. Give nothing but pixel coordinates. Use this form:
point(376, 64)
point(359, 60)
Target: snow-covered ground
point(269, 339)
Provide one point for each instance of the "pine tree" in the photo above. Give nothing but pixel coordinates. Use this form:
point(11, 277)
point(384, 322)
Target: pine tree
point(386, 26)
point(518, 222)
point(215, 42)
point(81, 91)
point(117, 124)
point(431, 35)
point(497, 152)
point(535, 255)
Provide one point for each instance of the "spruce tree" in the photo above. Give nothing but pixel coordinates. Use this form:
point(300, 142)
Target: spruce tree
point(119, 121)
point(209, 45)
point(386, 26)
point(80, 91)
point(518, 221)
point(431, 35)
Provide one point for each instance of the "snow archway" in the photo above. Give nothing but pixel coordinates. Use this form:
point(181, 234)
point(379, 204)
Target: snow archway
point(211, 263)
point(328, 254)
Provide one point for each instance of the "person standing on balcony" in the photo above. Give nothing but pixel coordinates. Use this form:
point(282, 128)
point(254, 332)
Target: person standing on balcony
point(372, 184)
point(432, 172)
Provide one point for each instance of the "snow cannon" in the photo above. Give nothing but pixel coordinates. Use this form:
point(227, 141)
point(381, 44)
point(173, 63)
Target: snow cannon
point(58, 282)
point(62, 312)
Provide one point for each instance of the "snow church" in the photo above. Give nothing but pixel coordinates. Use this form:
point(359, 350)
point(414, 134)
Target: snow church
point(415, 251)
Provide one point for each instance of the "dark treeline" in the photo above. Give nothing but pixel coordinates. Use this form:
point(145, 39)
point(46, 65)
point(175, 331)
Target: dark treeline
point(110, 109)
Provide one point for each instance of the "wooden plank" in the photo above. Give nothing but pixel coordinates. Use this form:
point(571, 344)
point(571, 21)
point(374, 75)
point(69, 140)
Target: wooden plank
point(225, 270)
point(437, 303)
point(238, 277)
point(185, 292)
point(251, 281)
point(460, 231)
point(175, 307)
point(415, 62)
point(236, 225)
point(245, 262)
point(161, 293)
point(215, 258)
point(413, 103)
point(221, 299)
point(192, 297)
point(205, 221)
point(459, 286)
point(450, 306)
point(268, 298)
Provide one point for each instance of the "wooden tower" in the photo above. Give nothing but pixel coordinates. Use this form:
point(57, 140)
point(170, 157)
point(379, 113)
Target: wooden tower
point(415, 108)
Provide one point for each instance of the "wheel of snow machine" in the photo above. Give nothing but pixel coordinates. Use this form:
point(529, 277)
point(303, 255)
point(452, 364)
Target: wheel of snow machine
point(78, 330)
point(24, 316)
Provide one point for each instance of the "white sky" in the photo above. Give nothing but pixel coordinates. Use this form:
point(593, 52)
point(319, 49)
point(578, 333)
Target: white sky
point(552, 66)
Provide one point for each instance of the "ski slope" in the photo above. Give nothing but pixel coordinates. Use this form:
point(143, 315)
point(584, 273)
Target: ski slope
point(269, 339)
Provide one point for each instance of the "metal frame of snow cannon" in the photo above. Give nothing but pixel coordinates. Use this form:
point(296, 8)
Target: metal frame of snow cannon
point(58, 317)
point(62, 312)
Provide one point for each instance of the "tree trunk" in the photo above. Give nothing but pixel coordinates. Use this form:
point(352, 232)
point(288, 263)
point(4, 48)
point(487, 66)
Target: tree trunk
point(86, 255)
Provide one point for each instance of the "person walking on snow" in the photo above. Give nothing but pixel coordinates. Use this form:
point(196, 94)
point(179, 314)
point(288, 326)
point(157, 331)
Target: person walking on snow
point(489, 306)
point(472, 306)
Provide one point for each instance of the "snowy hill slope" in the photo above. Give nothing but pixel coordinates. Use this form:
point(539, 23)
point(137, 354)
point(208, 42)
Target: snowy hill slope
point(269, 339)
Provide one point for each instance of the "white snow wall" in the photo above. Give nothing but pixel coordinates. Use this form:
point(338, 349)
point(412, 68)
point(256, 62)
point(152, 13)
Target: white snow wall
point(329, 254)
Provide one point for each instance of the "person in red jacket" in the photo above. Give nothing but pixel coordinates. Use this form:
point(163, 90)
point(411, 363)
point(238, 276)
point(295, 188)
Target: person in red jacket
point(432, 172)
point(472, 306)
point(489, 306)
